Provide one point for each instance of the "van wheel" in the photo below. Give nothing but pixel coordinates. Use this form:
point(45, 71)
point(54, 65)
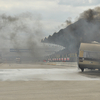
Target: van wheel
point(82, 69)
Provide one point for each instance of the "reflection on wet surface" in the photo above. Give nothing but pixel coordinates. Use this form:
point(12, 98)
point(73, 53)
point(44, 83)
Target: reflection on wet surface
point(47, 74)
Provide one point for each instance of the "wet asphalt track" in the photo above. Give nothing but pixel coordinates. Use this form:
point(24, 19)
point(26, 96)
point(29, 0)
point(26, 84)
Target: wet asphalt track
point(60, 81)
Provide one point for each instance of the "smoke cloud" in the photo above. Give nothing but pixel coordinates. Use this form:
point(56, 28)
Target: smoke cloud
point(23, 31)
point(85, 29)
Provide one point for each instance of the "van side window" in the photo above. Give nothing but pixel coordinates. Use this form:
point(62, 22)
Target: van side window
point(84, 54)
point(88, 54)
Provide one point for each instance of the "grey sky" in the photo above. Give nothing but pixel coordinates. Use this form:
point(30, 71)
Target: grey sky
point(53, 13)
point(79, 2)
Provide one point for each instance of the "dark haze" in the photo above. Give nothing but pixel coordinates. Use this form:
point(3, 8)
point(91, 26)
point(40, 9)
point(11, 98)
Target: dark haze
point(85, 29)
point(22, 31)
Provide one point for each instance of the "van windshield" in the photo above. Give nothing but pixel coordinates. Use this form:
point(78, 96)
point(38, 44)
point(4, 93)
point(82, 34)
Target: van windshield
point(94, 55)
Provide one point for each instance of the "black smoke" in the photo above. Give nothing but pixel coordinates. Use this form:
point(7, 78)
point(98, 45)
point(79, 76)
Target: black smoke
point(85, 29)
